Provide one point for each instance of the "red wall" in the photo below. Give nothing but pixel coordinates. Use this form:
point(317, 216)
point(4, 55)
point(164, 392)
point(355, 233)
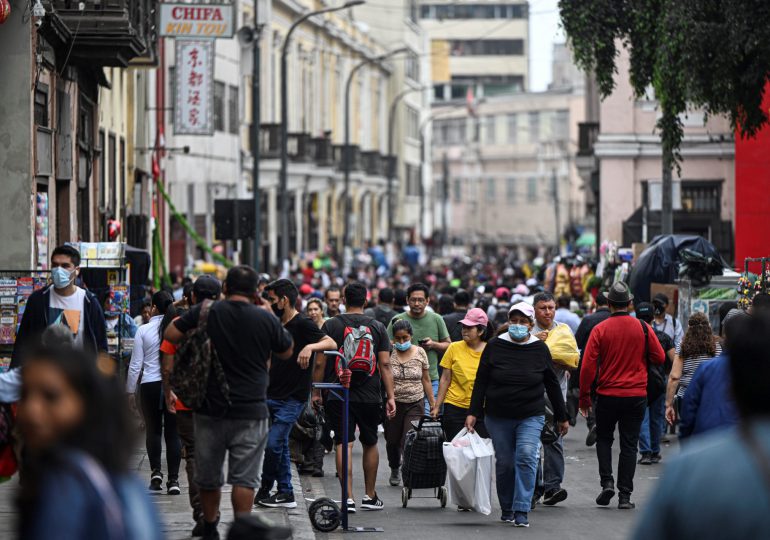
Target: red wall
point(752, 194)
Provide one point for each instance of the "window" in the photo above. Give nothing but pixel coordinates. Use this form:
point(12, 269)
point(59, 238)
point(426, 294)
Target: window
point(412, 66)
point(458, 191)
point(412, 122)
point(513, 128)
point(219, 106)
point(532, 189)
point(510, 191)
point(41, 105)
point(234, 121)
point(412, 179)
point(487, 47)
point(490, 189)
point(560, 125)
point(485, 11)
point(412, 10)
point(491, 128)
point(534, 127)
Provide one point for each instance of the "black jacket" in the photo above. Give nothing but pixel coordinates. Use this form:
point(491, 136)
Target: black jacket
point(35, 321)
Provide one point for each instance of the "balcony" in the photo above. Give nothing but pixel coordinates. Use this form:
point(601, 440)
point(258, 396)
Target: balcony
point(322, 151)
point(106, 33)
point(355, 157)
point(373, 163)
point(588, 133)
point(270, 141)
point(298, 145)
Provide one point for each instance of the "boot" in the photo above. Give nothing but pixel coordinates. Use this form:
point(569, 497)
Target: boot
point(318, 459)
point(624, 502)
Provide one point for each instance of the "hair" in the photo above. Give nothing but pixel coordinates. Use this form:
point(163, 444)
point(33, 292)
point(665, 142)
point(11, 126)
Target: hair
point(403, 324)
point(446, 304)
point(284, 287)
point(69, 251)
point(601, 300)
point(462, 298)
point(146, 303)
point(187, 290)
point(386, 295)
point(355, 294)
point(724, 309)
point(699, 339)
point(748, 340)
point(164, 303)
point(399, 297)
point(242, 280)
point(542, 297)
point(760, 302)
point(414, 287)
point(315, 301)
point(333, 288)
point(563, 301)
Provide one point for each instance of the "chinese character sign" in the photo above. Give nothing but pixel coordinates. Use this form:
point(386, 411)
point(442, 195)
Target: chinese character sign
point(194, 87)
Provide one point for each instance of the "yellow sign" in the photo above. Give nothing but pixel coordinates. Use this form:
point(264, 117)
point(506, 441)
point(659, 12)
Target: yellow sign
point(439, 55)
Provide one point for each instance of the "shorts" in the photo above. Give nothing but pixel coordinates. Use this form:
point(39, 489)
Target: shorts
point(367, 416)
point(244, 442)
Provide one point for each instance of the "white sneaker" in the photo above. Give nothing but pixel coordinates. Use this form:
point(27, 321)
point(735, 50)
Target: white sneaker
point(351, 506)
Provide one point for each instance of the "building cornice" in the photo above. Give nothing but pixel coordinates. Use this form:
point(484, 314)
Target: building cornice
point(632, 146)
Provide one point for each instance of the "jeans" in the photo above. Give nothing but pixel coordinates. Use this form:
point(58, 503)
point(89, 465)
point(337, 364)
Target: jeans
point(435, 395)
point(277, 465)
point(627, 413)
point(396, 429)
point(186, 428)
point(160, 424)
point(516, 443)
point(652, 426)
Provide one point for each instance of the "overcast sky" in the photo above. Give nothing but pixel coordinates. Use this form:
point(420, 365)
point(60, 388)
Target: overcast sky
point(543, 32)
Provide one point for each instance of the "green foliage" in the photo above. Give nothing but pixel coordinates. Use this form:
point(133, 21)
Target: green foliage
point(711, 54)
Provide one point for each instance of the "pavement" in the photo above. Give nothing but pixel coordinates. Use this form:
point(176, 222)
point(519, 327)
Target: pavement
point(576, 518)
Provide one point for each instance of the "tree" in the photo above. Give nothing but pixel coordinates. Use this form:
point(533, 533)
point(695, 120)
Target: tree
point(709, 54)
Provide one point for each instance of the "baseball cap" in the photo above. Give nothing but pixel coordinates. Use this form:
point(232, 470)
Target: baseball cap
point(644, 311)
point(475, 317)
point(305, 289)
point(523, 308)
point(206, 287)
point(521, 289)
point(502, 292)
point(660, 297)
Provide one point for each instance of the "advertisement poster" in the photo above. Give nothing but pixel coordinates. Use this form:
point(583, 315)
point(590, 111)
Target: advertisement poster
point(194, 73)
point(41, 229)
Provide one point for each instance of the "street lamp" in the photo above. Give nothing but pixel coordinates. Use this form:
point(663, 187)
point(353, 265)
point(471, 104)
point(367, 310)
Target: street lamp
point(346, 146)
point(282, 188)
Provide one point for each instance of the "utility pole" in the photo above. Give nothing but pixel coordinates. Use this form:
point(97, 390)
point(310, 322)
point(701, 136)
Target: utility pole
point(445, 201)
point(255, 121)
point(557, 210)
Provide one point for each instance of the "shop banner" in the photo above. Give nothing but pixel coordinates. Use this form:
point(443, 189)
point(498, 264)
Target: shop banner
point(194, 74)
point(196, 21)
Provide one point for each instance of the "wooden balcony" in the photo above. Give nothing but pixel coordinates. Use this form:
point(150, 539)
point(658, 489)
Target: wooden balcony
point(106, 33)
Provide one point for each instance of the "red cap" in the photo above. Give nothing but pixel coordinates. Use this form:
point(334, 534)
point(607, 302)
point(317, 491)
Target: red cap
point(305, 289)
point(502, 292)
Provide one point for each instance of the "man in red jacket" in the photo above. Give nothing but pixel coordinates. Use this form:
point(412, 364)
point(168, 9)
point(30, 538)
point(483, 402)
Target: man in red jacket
point(615, 368)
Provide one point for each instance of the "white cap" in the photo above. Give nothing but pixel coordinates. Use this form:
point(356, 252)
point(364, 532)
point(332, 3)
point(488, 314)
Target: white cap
point(524, 308)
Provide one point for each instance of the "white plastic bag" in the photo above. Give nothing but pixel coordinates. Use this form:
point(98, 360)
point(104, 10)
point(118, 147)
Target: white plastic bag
point(469, 460)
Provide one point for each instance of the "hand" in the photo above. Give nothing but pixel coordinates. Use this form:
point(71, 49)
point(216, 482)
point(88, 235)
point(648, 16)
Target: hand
point(470, 422)
point(585, 412)
point(132, 401)
point(304, 357)
point(563, 427)
point(670, 414)
point(428, 344)
point(434, 410)
point(317, 399)
point(390, 408)
point(170, 401)
point(542, 336)
point(345, 376)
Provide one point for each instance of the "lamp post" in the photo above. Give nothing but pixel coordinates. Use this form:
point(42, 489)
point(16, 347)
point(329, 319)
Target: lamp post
point(346, 147)
point(282, 176)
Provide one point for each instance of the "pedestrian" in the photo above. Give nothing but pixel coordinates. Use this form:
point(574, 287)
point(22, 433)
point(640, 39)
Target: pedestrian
point(78, 482)
point(452, 320)
point(159, 422)
point(514, 374)
point(720, 488)
point(383, 311)
point(564, 315)
point(430, 331)
point(564, 353)
point(399, 301)
point(205, 287)
point(315, 311)
point(664, 322)
point(62, 303)
point(699, 345)
point(333, 299)
point(144, 315)
point(654, 421)
point(234, 418)
point(615, 371)
point(498, 311)
point(288, 392)
point(411, 384)
point(365, 397)
point(460, 364)
point(588, 323)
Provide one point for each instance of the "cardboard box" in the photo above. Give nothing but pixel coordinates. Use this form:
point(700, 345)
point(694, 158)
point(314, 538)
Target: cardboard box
point(669, 289)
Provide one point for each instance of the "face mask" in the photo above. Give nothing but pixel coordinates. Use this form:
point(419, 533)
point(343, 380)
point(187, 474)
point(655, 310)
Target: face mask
point(278, 311)
point(61, 277)
point(403, 347)
point(518, 331)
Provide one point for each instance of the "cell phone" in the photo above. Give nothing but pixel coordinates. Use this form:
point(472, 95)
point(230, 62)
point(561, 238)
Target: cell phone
point(424, 341)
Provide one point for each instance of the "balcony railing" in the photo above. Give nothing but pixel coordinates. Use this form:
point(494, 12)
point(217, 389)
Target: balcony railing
point(298, 145)
point(105, 33)
point(322, 151)
point(588, 133)
point(269, 141)
point(355, 157)
point(373, 163)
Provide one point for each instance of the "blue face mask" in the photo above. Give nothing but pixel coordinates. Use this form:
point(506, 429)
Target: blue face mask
point(61, 277)
point(403, 347)
point(518, 331)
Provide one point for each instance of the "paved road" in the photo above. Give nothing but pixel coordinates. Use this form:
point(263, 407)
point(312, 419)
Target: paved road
point(578, 517)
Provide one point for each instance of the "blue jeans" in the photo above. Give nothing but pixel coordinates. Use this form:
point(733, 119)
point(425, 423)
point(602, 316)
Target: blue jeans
point(277, 467)
point(517, 443)
point(652, 426)
point(435, 395)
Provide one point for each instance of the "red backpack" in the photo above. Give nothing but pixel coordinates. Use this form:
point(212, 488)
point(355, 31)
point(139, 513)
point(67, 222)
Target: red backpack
point(358, 351)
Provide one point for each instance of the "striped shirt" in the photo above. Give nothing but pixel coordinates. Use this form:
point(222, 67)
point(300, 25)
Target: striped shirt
point(690, 365)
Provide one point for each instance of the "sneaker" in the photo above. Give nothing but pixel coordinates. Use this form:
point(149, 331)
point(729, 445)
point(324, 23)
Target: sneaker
point(395, 476)
point(591, 437)
point(624, 502)
point(463, 509)
point(655, 458)
point(156, 480)
point(351, 506)
point(646, 459)
point(507, 517)
point(279, 500)
point(605, 496)
point(263, 493)
point(554, 496)
point(172, 487)
point(520, 519)
point(375, 503)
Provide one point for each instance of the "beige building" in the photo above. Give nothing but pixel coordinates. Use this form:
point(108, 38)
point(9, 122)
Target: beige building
point(487, 42)
point(511, 179)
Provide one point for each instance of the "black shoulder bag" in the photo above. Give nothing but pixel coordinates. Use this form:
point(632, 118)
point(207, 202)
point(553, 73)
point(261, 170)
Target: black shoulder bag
point(656, 380)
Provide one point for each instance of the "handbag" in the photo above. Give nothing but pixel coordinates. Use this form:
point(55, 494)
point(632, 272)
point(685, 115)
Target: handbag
point(656, 380)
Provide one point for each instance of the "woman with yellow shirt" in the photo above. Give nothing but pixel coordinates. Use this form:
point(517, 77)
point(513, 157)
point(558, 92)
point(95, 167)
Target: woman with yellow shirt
point(460, 363)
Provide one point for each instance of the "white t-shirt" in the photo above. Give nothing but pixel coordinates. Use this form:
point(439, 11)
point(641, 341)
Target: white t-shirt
point(68, 311)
